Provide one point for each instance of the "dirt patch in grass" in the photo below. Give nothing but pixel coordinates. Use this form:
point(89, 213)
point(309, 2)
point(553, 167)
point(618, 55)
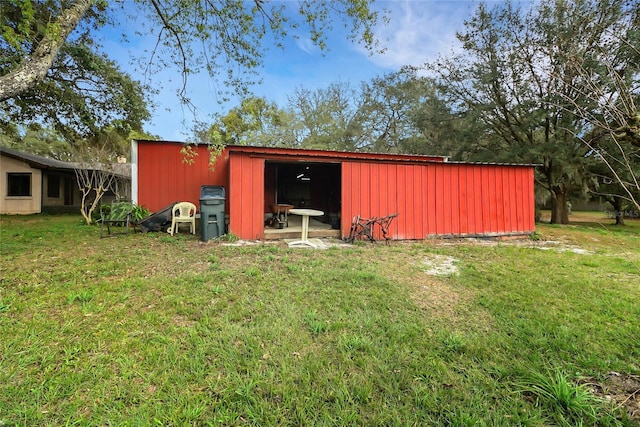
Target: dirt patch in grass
point(431, 292)
point(442, 299)
point(622, 391)
point(554, 245)
point(426, 277)
point(440, 265)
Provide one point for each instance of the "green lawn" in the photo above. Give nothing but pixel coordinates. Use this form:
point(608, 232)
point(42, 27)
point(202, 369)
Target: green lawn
point(147, 329)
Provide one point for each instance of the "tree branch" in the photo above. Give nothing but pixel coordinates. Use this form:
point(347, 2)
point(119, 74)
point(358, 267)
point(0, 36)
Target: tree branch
point(34, 68)
point(176, 35)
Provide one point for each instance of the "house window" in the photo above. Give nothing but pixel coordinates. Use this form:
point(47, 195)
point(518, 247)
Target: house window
point(18, 184)
point(53, 186)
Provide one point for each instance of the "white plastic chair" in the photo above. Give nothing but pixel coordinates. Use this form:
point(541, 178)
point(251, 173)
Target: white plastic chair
point(183, 212)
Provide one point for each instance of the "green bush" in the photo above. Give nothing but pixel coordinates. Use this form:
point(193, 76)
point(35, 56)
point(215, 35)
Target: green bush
point(139, 212)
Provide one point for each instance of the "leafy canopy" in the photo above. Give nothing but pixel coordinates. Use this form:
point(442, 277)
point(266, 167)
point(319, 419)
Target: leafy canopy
point(224, 37)
point(82, 93)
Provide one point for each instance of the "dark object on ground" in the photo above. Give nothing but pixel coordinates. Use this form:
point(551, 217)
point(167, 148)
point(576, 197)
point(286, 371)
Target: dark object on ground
point(158, 221)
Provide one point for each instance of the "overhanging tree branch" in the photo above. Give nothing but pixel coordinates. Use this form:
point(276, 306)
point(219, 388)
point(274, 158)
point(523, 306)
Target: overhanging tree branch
point(35, 67)
point(176, 35)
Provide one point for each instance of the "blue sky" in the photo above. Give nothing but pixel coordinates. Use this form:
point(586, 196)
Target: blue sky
point(417, 32)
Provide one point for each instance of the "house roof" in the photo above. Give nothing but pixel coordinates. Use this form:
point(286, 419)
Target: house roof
point(41, 162)
point(36, 161)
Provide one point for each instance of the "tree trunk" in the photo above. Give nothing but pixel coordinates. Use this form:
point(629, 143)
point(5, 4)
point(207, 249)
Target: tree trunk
point(35, 66)
point(559, 211)
point(616, 202)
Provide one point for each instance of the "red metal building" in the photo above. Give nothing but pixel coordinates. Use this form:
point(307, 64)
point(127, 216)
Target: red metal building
point(432, 196)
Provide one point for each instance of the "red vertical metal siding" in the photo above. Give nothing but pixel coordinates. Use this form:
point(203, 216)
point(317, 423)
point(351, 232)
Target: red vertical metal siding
point(367, 191)
point(496, 205)
point(476, 199)
point(528, 199)
point(410, 223)
point(421, 176)
point(485, 202)
point(440, 199)
point(433, 208)
point(402, 202)
point(164, 177)
point(246, 211)
point(364, 188)
point(377, 192)
point(454, 196)
point(465, 209)
point(439, 206)
point(520, 204)
point(444, 180)
point(415, 186)
point(506, 188)
point(431, 198)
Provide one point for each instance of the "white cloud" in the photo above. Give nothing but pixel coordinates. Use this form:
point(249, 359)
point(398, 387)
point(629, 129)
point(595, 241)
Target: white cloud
point(420, 30)
point(306, 45)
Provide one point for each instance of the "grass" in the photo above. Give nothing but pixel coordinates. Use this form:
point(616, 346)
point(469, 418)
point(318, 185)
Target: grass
point(571, 404)
point(146, 330)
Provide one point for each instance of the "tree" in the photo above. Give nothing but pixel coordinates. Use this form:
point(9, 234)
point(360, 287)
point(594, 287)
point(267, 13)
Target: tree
point(610, 84)
point(404, 112)
point(326, 117)
point(514, 74)
point(97, 172)
point(387, 107)
point(398, 112)
point(81, 91)
point(619, 189)
point(320, 119)
point(93, 182)
point(31, 42)
point(38, 140)
point(443, 131)
point(221, 36)
point(255, 121)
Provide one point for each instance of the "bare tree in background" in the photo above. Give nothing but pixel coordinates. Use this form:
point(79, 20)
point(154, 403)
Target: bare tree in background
point(612, 92)
point(97, 173)
point(93, 184)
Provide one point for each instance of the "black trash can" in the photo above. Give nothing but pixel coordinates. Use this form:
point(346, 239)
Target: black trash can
point(211, 212)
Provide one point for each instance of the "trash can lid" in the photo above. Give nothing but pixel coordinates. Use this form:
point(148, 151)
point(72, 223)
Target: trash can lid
point(211, 192)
